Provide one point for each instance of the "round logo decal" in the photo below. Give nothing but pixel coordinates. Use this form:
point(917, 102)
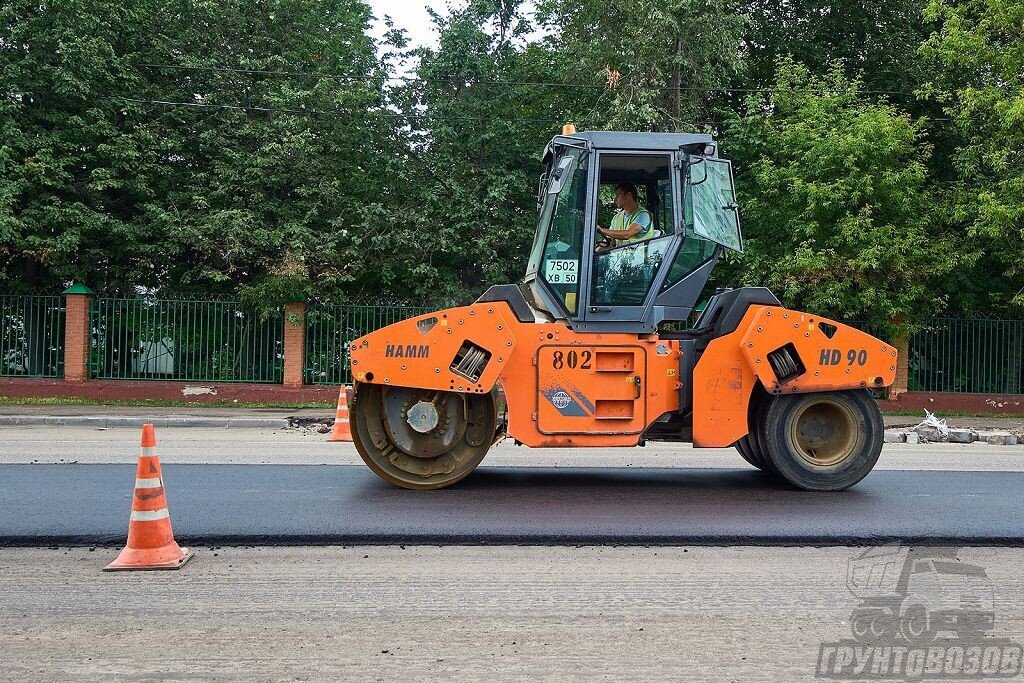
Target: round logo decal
point(560, 399)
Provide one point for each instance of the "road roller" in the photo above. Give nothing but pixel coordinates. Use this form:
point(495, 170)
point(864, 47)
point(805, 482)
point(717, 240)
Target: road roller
point(602, 344)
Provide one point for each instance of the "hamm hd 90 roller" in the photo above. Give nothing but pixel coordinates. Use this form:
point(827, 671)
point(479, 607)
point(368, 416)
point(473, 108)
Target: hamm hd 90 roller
point(586, 352)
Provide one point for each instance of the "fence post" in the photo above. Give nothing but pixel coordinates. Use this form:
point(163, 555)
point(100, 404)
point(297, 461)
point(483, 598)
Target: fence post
point(902, 344)
point(77, 337)
point(294, 342)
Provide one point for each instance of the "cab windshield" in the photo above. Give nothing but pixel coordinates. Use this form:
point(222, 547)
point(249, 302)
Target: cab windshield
point(558, 245)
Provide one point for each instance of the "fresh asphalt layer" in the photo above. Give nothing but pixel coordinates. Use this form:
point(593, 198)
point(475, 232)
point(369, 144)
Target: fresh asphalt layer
point(338, 504)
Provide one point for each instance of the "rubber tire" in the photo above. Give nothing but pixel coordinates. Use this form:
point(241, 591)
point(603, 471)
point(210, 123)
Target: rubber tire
point(758, 440)
point(805, 475)
point(743, 448)
point(748, 446)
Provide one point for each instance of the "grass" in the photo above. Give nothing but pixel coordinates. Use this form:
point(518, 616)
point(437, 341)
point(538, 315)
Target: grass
point(153, 403)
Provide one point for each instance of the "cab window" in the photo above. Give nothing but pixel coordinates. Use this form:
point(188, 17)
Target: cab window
point(714, 202)
point(635, 189)
point(694, 251)
point(562, 246)
point(623, 275)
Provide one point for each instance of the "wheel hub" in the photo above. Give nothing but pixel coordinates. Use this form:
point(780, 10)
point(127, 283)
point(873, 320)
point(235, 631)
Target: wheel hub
point(423, 417)
point(816, 431)
point(825, 433)
point(423, 424)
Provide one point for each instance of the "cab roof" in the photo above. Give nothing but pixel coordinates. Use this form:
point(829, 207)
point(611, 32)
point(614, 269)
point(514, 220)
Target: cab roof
point(613, 139)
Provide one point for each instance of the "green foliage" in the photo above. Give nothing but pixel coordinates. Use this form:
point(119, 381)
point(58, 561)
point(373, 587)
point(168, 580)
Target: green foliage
point(978, 54)
point(658, 56)
point(476, 130)
point(834, 196)
point(295, 159)
point(105, 186)
point(876, 39)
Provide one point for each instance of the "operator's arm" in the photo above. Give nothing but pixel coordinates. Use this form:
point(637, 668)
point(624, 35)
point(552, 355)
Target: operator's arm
point(641, 221)
point(631, 231)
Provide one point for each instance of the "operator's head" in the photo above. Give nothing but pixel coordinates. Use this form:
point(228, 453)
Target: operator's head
point(625, 196)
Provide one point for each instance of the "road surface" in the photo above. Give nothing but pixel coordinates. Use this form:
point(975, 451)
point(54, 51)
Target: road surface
point(456, 612)
point(317, 504)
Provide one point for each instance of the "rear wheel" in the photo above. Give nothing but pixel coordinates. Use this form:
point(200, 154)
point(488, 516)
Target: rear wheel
point(421, 438)
point(760, 401)
point(825, 441)
point(743, 448)
point(746, 446)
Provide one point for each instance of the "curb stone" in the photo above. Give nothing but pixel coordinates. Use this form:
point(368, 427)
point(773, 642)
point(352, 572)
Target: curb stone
point(998, 438)
point(961, 436)
point(100, 421)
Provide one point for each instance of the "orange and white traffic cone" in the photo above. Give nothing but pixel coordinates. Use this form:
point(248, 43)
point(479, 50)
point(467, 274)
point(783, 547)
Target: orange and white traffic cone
point(341, 431)
point(150, 539)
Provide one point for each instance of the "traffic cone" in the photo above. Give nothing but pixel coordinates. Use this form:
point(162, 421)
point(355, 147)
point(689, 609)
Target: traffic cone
point(341, 430)
point(150, 539)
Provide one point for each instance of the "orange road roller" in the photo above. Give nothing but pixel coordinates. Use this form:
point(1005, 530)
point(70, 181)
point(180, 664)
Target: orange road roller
point(592, 348)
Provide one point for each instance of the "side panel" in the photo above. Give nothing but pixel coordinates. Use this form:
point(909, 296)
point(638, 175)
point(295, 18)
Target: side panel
point(617, 416)
point(722, 384)
point(835, 356)
point(421, 351)
point(591, 389)
point(829, 356)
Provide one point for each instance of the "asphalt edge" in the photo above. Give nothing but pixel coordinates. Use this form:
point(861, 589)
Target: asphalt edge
point(101, 421)
point(543, 540)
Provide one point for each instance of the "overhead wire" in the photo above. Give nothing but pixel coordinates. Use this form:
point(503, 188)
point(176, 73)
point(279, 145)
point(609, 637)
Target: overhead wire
point(337, 112)
point(397, 115)
point(471, 81)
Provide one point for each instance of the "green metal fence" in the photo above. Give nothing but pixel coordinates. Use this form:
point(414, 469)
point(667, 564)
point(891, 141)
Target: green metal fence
point(331, 328)
point(221, 341)
point(968, 356)
point(31, 336)
point(962, 355)
point(200, 341)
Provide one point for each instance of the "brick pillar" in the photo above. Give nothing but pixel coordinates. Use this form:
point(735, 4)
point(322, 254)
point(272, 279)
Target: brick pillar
point(902, 344)
point(77, 333)
point(294, 342)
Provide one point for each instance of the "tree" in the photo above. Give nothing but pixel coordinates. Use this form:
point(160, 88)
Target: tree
point(476, 126)
point(977, 55)
point(72, 167)
point(663, 63)
point(875, 39)
point(834, 199)
point(234, 151)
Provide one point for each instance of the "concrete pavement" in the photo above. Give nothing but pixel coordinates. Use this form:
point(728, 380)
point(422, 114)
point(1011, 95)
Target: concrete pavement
point(100, 416)
point(194, 445)
point(452, 613)
point(226, 416)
